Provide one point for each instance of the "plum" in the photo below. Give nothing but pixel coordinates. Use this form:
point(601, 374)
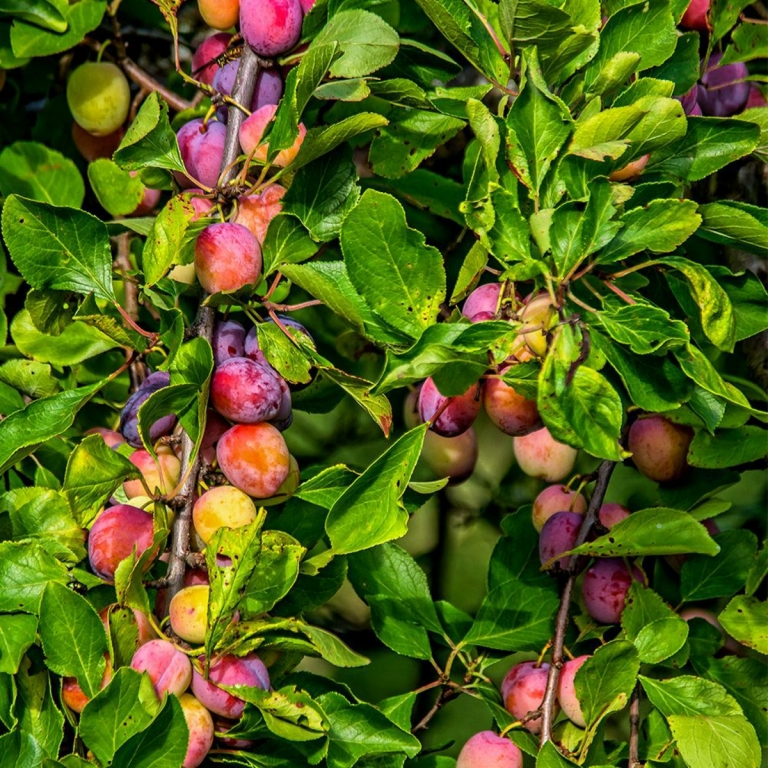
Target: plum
point(660, 447)
point(189, 613)
point(228, 340)
point(483, 300)
point(227, 258)
point(219, 14)
point(512, 413)
point(695, 16)
point(487, 750)
point(99, 97)
point(202, 205)
point(558, 535)
point(271, 27)
point(556, 498)
point(605, 588)
point(204, 66)
point(566, 691)
point(245, 391)
point(610, 514)
point(268, 90)
point(252, 132)
point(456, 414)
point(540, 455)
point(523, 690)
point(630, 170)
point(144, 629)
point(451, 457)
point(307, 5)
point(537, 316)
point(93, 147)
point(254, 458)
point(222, 507)
point(74, 696)
point(110, 437)
point(756, 98)
point(256, 211)
point(206, 151)
point(168, 668)
point(284, 416)
point(161, 477)
point(129, 416)
point(229, 670)
point(114, 535)
point(723, 90)
point(200, 727)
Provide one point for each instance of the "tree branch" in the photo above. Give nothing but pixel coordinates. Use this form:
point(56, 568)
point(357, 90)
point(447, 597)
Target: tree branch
point(634, 729)
point(561, 622)
point(202, 328)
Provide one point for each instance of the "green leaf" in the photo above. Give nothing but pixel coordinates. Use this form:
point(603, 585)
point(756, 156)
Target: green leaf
point(286, 242)
point(171, 239)
point(514, 616)
point(366, 41)
point(401, 278)
point(728, 448)
point(605, 681)
point(150, 141)
point(282, 354)
point(758, 571)
point(710, 144)
point(323, 193)
point(17, 634)
point(313, 68)
point(40, 12)
point(659, 227)
point(689, 695)
point(703, 578)
point(39, 173)
point(723, 15)
point(73, 637)
point(510, 238)
point(655, 629)
point(94, 472)
point(539, 125)
point(117, 713)
point(717, 318)
point(40, 720)
point(81, 18)
point(25, 570)
point(735, 224)
point(396, 589)
point(682, 67)
point(117, 191)
point(657, 531)
point(23, 431)
point(646, 329)
point(411, 137)
point(369, 512)
point(31, 378)
point(60, 248)
point(162, 745)
point(428, 190)
point(744, 619)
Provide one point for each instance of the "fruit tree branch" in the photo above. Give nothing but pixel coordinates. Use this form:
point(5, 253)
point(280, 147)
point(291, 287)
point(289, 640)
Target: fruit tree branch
point(634, 729)
point(561, 621)
point(202, 328)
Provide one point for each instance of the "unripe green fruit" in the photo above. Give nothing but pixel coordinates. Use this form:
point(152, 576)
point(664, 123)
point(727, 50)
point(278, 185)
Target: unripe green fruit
point(99, 97)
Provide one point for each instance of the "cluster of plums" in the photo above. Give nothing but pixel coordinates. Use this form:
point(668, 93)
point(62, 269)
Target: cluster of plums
point(173, 672)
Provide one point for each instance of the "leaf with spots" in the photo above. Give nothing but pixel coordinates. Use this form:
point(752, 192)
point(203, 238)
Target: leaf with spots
point(390, 265)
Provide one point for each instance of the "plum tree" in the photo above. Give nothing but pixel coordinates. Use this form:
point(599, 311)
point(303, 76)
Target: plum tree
point(219, 14)
point(229, 670)
point(245, 391)
point(566, 691)
point(271, 27)
point(452, 415)
point(254, 458)
point(605, 587)
point(512, 413)
point(451, 457)
point(204, 66)
point(251, 134)
point(522, 691)
point(99, 97)
point(129, 416)
point(160, 476)
point(188, 613)
point(540, 455)
point(227, 258)
point(222, 506)
point(168, 668)
point(228, 340)
point(256, 211)
point(487, 750)
point(200, 727)
point(115, 534)
point(660, 447)
point(610, 514)
point(556, 498)
point(558, 535)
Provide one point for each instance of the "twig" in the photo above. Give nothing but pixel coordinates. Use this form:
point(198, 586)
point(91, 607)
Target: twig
point(561, 622)
point(634, 729)
point(202, 328)
point(137, 369)
point(446, 694)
